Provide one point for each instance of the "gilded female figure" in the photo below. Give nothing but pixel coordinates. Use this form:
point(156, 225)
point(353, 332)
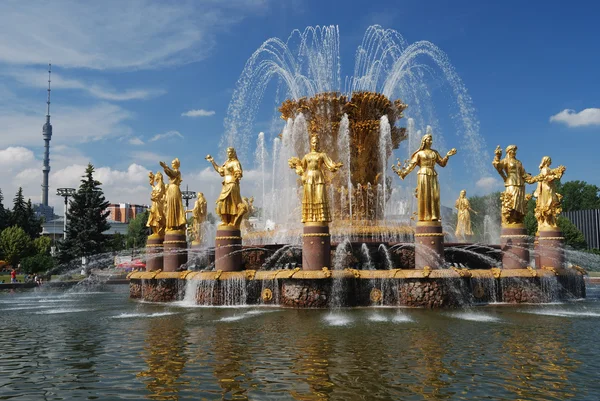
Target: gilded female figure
point(174, 212)
point(315, 207)
point(198, 216)
point(463, 224)
point(547, 206)
point(427, 191)
point(514, 204)
point(156, 218)
point(229, 203)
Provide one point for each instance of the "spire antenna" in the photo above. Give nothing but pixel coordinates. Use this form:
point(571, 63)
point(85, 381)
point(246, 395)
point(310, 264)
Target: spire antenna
point(49, 79)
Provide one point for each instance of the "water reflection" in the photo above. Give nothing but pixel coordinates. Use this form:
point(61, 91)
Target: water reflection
point(539, 361)
point(165, 355)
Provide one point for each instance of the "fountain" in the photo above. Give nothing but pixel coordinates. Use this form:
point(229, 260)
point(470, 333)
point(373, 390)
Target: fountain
point(332, 234)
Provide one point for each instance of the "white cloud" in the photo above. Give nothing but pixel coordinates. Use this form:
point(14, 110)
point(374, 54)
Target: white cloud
point(71, 124)
point(37, 79)
point(114, 34)
point(198, 113)
point(137, 141)
point(488, 183)
point(166, 135)
point(584, 118)
point(15, 157)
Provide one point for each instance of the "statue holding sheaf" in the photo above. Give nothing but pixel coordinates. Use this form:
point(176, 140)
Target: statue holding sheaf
point(513, 199)
point(156, 217)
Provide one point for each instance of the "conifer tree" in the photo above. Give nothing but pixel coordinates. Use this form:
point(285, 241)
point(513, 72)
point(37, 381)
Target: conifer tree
point(4, 214)
point(34, 223)
point(19, 216)
point(86, 220)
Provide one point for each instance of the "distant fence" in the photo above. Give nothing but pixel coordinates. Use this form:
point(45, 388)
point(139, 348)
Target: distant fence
point(588, 222)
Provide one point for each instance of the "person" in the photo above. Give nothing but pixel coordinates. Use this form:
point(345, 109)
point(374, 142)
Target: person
point(13, 276)
point(547, 205)
point(427, 191)
point(174, 212)
point(315, 207)
point(463, 224)
point(514, 204)
point(230, 206)
point(156, 217)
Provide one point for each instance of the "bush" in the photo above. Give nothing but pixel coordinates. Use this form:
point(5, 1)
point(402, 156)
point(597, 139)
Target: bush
point(37, 263)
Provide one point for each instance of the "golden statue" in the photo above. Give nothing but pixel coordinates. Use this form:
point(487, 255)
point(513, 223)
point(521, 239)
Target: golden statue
point(156, 218)
point(230, 206)
point(249, 202)
point(547, 206)
point(198, 217)
point(427, 191)
point(463, 224)
point(174, 212)
point(514, 202)
point(315, 207)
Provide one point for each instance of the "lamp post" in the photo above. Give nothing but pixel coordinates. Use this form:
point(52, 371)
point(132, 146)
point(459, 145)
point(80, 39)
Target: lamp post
point(187, 195)
point(65, 193)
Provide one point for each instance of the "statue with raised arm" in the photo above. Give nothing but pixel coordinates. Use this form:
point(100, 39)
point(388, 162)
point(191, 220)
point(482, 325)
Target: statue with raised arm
point(547, 206)
point(315, 207)
point(463, 224)
point(230, 206)
point(156, 217)
point(198, 217)
point(514, 202)
point(427, 191)
point(174, 212)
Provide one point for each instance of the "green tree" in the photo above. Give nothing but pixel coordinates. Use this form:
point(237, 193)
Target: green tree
point(15, 244)
point(117, 242)
point(487, 205)
point(37, 263)
point(530, 221)
point(579, 195)
point(42, 245)
point(4, 214)
point(34, 223)
point(86, 220)
point(19, 216)
point(573, 237)
point(137, 232)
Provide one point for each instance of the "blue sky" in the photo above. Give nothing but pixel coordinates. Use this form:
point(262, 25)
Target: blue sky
point(124, 75)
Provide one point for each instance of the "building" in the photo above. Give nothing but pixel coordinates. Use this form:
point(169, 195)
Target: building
point(125, 212)
point(55, 228)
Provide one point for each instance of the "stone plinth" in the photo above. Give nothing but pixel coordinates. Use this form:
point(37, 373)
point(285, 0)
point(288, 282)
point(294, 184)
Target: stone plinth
point(429, 245)
point(228, 249)
point(550, 248)
point(514, 243)
point(154, 253)
point(316, 247)
point(175, 250)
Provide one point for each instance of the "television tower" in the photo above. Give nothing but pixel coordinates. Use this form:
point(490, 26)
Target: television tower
point(47, 133)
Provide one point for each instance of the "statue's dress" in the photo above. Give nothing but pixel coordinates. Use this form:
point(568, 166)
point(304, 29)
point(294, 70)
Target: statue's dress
point(230, 197)
point(174, 213)
point(514, 183)
point(315, 207)
point(463, 225)
point(156, 219)
point(427, 191)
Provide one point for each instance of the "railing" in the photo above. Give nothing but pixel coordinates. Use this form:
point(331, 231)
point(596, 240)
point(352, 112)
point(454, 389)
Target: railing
point(588, 222)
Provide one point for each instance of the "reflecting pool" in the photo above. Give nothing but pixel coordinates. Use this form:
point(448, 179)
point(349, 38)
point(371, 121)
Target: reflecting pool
point(101, 345)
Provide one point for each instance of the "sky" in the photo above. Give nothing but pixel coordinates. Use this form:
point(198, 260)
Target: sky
point(138, 82)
